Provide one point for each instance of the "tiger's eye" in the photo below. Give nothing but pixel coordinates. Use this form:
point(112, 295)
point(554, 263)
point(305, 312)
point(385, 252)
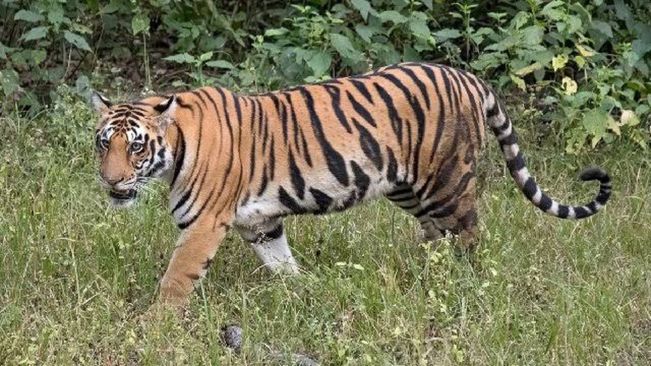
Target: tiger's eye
point(135, 147)
point(101, 143)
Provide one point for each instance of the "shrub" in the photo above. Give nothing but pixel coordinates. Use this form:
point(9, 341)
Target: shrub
point(588, 61)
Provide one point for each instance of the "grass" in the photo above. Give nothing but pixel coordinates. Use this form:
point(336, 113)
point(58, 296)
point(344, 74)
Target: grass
point(75, 276)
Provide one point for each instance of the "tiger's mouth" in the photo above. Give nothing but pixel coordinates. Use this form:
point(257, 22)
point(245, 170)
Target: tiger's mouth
point(122, 198)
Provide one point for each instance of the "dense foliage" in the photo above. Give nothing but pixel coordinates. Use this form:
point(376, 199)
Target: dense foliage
point(586, 63)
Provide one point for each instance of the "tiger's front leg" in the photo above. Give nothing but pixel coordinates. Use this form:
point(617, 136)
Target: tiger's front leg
point(191, 258)
point(269, 243)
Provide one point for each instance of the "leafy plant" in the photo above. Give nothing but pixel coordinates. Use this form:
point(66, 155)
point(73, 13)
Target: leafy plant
point(587, 60)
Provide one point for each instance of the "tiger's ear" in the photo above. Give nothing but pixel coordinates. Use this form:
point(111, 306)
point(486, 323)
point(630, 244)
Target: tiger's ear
point(166, 110)
point(99, 103)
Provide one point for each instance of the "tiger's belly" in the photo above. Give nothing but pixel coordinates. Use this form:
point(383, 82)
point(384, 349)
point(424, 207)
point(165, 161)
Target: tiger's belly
point(317, 197)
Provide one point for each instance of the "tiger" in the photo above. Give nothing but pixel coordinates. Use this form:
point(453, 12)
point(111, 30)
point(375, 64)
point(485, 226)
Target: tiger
point(411, 132)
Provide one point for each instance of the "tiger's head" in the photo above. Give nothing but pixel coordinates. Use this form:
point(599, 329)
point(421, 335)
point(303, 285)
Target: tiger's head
point(131, 144)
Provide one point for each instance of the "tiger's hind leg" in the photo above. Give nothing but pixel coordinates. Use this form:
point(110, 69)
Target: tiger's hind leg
point(403, 196)
point(270, 245)
point(453, 210)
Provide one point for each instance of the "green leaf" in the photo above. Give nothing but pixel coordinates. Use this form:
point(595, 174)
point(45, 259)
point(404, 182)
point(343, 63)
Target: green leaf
point(276, 32)
point(344, 47)
point(642, 46)
point(365, 32)
point(418, 25)
point(428, 4)
point(35, 33)
point(76, 40)
point(220, 64)
point(392, 16)
point(559, 61)
point(602, 27)
point(519, 82)
point(205, 56)
point(551, 12)
point(629, 118)
point(363, 6)
point(112, 7)
point(320, 63)
point(595, 123)
point(28, 16)
point(140, 23)
point(622, 10)
point(528, 69)
point(4, 50)
point(446, 34)
point(55, 16)
point(533, 35)
point(39, 56)
point(181, 58)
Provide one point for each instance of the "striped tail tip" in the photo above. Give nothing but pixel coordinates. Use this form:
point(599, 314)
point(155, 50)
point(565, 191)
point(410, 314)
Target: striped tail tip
point(594, 173)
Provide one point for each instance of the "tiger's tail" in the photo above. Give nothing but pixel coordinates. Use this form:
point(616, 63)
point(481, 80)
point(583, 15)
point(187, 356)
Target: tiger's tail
point(501, 126)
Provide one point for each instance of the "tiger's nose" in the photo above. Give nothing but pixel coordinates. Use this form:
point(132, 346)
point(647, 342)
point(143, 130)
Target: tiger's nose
point(112, 181)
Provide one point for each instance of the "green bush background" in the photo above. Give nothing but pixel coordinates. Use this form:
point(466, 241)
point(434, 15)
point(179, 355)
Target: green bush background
point(585, 62)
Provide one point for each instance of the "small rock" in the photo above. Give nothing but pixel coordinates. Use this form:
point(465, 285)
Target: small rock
point(302, 360)
point(232, 337)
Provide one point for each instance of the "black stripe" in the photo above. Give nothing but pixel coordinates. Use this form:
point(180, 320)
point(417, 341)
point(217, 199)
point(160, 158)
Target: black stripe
point(362, 181)
point(197, 93)
point(263, 184)
point(530, 188)
point(456, 88)
point(441, 120)
point(179, 154)
point(361, 87)
point(335, 161)
point(295, 174)
point(509, 140)
point(272, 159)
point(449, 90)
point(322, 200)
point(183, 199)
point(335, 94)
point(282, 115)
point(516, 163)
point(580, 212)
point(369, 145)
point(603, 196)
point(545, 202)
point(392, 167)
point(273, 234)
point(445, 211)
point(361, 110)
point(306, 151)
point(292, 113)
point(493, 111)
point(196, 188)
point(563, 211)
point(475, 106)
point(252, 157)
point(396, 122)
point(289, 202)
point(448, 163)
point(459, 188)
point(419, 83)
